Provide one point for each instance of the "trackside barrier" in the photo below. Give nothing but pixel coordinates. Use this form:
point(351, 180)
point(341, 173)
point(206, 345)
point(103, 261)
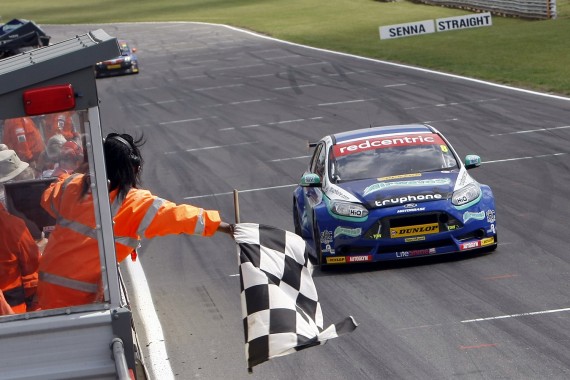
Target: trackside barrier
point(533, 9)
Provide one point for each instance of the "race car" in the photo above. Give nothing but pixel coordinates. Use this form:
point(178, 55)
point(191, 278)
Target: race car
point(126, 63)
point(391, 193)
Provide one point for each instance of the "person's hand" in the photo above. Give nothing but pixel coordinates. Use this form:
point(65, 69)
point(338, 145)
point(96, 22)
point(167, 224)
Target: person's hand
point(226, 228)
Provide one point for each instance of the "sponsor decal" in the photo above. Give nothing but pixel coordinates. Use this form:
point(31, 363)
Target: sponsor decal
point(414, 239)
point(479, 243)
point(406, 199)
point(352, 232)
point(491, 217)
point(416, 252)
point(420, 229)
point(329, 249)
point(417, 209)
point(400, 176)
point(336, 260)
point(326, 237)
point(473, 215)
point(377, 236)
point(444, 148)
point(492, 229)
point(452, 227)
point(470, 245)
point(418, 182)
point(374, 143)
point(462, 180)
point(332, 190)
point(358, 259)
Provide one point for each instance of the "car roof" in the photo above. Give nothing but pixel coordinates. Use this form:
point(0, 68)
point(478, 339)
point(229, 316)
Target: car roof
point(380, 131)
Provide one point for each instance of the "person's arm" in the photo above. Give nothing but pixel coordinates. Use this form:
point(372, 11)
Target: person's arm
point(150, 216)
point(171, 218)
point(226, 228)
point(29, 258)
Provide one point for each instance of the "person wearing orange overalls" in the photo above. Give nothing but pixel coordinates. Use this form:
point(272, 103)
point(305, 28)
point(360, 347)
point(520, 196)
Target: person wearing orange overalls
point(59, 123)
point(19, 253)
point(70, 269)
point(71, 156)
point(22, 136)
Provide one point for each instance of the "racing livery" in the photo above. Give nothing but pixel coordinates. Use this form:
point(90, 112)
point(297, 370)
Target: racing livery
point(389, 193)
point(126, 63)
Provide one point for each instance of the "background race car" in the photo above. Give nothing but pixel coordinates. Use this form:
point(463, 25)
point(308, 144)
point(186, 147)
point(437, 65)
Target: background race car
point(390, 193)
point(126, 63)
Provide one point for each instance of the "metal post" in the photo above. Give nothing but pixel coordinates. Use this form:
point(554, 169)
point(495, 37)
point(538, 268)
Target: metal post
point(236, 206)
point(120, 359)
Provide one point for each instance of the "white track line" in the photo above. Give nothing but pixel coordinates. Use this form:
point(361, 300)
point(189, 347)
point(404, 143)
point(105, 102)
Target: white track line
point(516, 315)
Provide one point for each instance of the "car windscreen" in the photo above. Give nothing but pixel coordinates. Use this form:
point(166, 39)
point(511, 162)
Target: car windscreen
point(389, 156)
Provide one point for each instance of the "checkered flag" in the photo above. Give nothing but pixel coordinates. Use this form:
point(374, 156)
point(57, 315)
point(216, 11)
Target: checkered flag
point(280, 306)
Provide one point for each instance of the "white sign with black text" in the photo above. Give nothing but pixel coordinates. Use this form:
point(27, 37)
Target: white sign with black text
point(463, 22)
point(440, 25)
point(405, 30)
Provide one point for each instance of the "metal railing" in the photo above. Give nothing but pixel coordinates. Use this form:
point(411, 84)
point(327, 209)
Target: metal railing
point(533, 9)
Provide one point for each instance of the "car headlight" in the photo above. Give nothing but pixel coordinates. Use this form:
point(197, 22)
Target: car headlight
point(127, 59)
point(466, 195)
point(354, 210)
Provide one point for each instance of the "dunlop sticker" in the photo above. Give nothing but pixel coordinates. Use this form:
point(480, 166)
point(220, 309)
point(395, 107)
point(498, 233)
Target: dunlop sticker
point(420, 229)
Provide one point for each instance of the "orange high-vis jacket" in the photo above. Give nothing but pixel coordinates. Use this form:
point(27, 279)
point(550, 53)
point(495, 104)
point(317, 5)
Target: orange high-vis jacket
point(19, 261)
point(22, 136)
point(70, 268)
point(51, 126)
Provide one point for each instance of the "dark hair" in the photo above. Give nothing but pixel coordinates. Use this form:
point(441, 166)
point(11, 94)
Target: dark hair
point(123, 162)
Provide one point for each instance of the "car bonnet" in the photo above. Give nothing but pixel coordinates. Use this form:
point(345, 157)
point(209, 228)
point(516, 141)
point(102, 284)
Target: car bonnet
point(400, 189)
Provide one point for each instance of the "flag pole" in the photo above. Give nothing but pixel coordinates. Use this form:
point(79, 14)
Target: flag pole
point(237, 220)
point(236, 205)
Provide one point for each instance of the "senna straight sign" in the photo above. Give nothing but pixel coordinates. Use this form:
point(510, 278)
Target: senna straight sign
point(439, 25)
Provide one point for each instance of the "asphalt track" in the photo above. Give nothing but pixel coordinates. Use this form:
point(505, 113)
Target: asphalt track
point(223, 109)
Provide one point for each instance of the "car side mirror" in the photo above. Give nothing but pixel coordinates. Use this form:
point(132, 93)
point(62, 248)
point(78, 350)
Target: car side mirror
point(472, 161)
point(310, 180)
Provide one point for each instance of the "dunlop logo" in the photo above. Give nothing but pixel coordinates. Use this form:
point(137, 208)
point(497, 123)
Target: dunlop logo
point(420, 229)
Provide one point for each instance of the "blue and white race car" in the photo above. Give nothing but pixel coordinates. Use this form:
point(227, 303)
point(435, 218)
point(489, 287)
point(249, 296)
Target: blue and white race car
point(389, 193)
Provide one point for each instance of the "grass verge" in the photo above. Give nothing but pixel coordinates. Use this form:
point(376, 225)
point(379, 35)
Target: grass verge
point(522, 53)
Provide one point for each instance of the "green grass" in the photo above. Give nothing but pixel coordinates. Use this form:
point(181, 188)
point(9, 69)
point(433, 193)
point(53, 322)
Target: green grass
point(523, 53)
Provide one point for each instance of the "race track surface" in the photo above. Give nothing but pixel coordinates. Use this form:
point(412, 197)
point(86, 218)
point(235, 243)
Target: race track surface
point(223, 109)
